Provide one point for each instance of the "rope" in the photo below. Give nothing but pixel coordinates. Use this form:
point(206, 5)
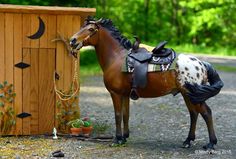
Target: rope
point(62, 96)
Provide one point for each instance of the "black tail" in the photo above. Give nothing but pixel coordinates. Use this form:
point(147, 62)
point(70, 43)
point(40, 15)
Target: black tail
point(200, 93)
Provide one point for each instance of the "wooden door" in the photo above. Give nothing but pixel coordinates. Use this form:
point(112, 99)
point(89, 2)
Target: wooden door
point(38, 91)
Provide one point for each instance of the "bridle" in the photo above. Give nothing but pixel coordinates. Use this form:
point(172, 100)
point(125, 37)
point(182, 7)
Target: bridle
point(74, 49)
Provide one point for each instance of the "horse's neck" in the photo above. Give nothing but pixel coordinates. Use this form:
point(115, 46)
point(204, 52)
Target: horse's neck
point(108, 49)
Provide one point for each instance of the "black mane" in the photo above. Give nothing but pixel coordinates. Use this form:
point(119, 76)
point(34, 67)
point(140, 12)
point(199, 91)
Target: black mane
point(108, 24)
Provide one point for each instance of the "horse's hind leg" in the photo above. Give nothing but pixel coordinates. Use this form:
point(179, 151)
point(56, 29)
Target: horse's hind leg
point(207, 116)
point(193, 121)
point(125, 110)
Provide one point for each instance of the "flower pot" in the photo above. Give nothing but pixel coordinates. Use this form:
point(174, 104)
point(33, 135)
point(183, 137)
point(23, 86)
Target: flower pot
point(76, 131)
point(87, 130)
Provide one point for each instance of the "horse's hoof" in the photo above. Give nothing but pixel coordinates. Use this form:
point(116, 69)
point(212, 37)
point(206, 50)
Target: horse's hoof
point(209, 146)
point(186, 144)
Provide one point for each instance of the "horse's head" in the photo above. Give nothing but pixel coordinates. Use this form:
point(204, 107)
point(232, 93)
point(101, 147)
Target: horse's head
point(87, 34)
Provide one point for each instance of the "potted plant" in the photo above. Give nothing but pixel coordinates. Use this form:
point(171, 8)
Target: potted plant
point(76, 126)
point(87, 126)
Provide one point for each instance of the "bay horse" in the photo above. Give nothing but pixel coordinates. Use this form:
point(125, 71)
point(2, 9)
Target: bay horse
point(189, 77)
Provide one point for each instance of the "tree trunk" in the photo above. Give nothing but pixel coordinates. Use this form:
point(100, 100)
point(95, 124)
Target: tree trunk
point(146, 10)
point(175, 22)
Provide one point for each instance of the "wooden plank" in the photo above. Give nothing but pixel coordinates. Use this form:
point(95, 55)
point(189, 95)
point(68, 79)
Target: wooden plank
point(18, 71)
point(26, 92)
point(33, 29)
point(60, 57)
point(2, 47)
point(26, 30)
point(9, 54)
point(44, 38)
point(46, 90)
point(67, 59)
point(34, 91)
point(47, 10)
point(9, 46)
point(51, 30)
point(60, 52)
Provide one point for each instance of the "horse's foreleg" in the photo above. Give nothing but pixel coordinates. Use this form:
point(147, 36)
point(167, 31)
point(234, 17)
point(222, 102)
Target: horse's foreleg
point(193, 121)
point(207, 116)
point(125, 110)
point(117, 103)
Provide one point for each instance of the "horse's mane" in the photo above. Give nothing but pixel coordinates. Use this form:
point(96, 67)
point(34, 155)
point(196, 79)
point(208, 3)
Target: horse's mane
point(108, 24)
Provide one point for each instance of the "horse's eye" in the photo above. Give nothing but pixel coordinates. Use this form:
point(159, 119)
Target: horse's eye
point(91, 29)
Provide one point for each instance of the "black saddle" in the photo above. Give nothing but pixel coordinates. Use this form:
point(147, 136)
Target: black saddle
point(139, 59)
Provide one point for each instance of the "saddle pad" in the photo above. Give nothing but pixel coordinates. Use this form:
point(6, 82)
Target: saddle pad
point(151, 67)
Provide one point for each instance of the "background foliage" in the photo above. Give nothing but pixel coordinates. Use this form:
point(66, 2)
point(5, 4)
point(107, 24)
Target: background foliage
point(203, 23)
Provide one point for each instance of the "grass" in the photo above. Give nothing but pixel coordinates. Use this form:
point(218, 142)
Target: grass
point(88, 63)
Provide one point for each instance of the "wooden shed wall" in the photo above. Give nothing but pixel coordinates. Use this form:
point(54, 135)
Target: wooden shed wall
point(14, 45)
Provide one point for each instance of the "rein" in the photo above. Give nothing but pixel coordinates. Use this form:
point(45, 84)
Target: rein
point(75, 85)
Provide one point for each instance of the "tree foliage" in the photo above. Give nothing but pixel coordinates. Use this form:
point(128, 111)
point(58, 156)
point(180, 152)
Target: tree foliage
point(200, 22)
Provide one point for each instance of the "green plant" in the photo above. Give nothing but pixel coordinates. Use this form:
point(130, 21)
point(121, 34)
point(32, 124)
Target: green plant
point(7, 113)
point(87, 122)
point(76, 123)
point(100, 128)
point(67, 111)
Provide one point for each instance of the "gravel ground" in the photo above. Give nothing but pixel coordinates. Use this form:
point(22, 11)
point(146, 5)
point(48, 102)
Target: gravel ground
point(157, 128)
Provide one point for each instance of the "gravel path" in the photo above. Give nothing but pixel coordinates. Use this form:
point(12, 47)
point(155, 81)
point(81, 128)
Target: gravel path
point(157, 128)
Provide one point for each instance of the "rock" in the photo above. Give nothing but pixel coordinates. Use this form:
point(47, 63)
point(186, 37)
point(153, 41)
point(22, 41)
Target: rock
point(58, 153)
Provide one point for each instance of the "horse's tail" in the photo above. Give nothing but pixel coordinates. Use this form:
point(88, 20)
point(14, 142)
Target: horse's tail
point(200, 93)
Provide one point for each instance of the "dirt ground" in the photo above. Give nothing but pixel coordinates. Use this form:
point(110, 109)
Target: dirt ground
point(158, 128)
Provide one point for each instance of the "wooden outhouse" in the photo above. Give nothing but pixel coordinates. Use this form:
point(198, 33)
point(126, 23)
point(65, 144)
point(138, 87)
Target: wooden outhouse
point(28, 59)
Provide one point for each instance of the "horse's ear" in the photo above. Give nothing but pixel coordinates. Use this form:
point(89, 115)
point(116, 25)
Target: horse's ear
point(99, 20)
point(89, 19)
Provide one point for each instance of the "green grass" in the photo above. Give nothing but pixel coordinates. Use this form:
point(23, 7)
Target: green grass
point(88, 63)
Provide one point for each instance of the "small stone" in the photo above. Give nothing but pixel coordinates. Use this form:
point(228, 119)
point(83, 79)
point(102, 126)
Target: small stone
point(34, 154)
point(18, 157)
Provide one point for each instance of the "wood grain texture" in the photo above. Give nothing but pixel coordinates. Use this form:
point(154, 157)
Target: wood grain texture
point(47, 10)
point(9, 45)
point(26, 92)
point(44, 38)
point(9, 54)
point(46, 90)
point(2, 47)
point(34, 91)
point(51, 30)
point(26, 30)
point(60, 52)
point(68, 59)
point(17, 71)
point(34, 43)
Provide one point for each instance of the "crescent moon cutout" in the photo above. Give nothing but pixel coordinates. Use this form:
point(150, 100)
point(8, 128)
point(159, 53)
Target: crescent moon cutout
point(40, 31)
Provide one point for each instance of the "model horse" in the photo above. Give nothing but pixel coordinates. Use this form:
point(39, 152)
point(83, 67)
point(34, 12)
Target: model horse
point(195, 80)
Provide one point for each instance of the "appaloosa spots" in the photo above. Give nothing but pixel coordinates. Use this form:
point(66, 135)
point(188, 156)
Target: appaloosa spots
point(191, 70)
